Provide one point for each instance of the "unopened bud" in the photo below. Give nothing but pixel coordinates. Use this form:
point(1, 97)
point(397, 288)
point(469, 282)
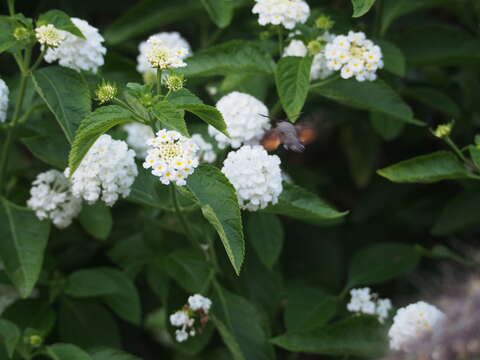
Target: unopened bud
point(443, 130)
point(314, 47)
point(324, 22)
point(21, 33)
point(34, 340)
point(174, 82)
point(106, 92)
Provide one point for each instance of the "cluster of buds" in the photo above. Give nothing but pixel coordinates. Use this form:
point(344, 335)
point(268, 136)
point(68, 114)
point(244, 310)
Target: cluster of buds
point(105, 92)
point(192, 318)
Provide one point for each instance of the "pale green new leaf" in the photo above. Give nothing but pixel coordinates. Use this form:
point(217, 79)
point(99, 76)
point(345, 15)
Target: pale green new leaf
point(440, 165)
point(22, 246)
point(92, 127)
point(361, 7)
point(219, 204)
point(69, 104)
point(292, 77)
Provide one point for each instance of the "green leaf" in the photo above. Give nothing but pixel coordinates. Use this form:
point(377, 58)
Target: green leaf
point(220, 11)
point(31, 314)
point(190, 270)
point(69, 104)
point(219, 204)
point(9, 336)
point(292, 77)
point(207, 113)
point(372, 96)
point(66, 351)
point(113, 286)
point(92, 127)
point(440, 165)
point(475, 155)
point(148, 15)
point(60, 20)
point(239, 325)
point(301, 204)
point(435, 99)
point(460, 212)
point(393, 58)
point(392, 9)
point(97, 220)
point(53, 150)
point(308, 308)
point(184, 97)
point(87, 324)
point(111, 354)
point(231, 57)
point(170, 117)
point(439, 45)
point(265, 233)
point(381, 262)
point(361, 7)
point(23, 242)
point(360, 336)
point(442, 252)
point(385, 126)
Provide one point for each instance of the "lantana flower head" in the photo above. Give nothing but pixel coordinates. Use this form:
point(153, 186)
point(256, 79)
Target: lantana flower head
point(365, 302)
point(354, 56)
point(287, 13)
point(3, 101)
point(77, 53)
point(255, 175)
point(107, 171)
point(171, 156)
point(186, 319)
point(49, 35)
point(162, 54)
point(51, 198)
point(246, 118)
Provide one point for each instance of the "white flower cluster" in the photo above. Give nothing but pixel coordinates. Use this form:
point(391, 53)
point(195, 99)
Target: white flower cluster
point(137, 137)
point(319, 68)
point(77, 53)
point(8, 295)
point(170, 39)
point(362, 301)
point(206, 154)
point(3, 101)
point(172, 157)
point(285, 12)
point(49, 35)
point(411, 322)
point(108, 170)
point(354, 55)
point(185, 318)
point(162, 52)
point(255, 175)
point(51, 198)
point(246, 118)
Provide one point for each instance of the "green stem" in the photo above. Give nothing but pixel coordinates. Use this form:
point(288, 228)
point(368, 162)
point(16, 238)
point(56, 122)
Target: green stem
point(456, 149)
point(11, 132)
point(280, 40)
point(159, 81)
point(39, 60)
point(11, 7)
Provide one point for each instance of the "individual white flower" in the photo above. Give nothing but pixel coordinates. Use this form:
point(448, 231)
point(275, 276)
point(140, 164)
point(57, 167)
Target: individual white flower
point(3, 101)
point(137, 137)
point(319, 68)
point(107, 171)
point(163, 53)
point(51, 198)
point(8, 295)
point(412, 322)
point(49, 35)
point(181, 335)
point(199, 302)
point(255, 175)
point(246, 118)
point(171, 40)
point(206, 153)
point(363, 301)
point(179, 318)
point(171, 156)
point(281, 12)
point(355, 56)
point(78, 53)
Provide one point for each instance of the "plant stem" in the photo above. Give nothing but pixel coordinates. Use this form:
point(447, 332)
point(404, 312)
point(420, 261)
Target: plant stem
point(159, 81)
point(39, 60)
point(280, 40)
point(11, 132)
point(11, 7)
point(456, 149)
point(183, 222)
